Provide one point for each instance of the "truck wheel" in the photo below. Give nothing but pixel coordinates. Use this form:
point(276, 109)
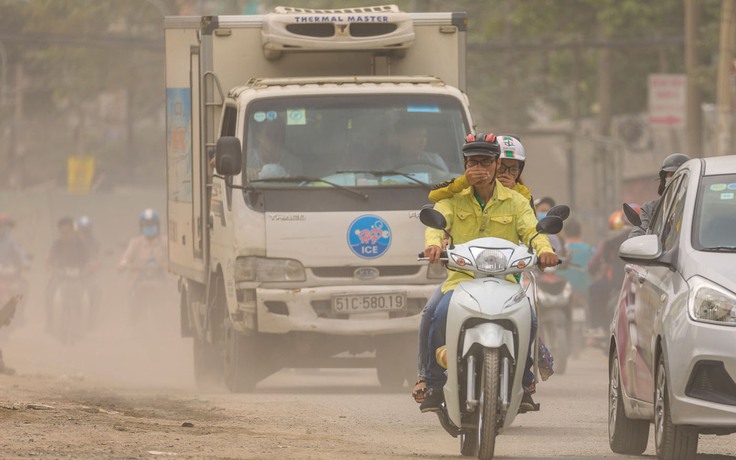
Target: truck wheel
point(489, 407)
point(207, 364)
point(241, 360)
point(625, 435)
point(396, 361)
point(673, 442)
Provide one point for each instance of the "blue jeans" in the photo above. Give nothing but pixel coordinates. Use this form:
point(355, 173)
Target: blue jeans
point(435, 374)
point(424, 324)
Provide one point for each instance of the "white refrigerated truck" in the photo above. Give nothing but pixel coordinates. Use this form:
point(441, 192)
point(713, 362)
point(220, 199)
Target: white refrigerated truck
point(327, 128)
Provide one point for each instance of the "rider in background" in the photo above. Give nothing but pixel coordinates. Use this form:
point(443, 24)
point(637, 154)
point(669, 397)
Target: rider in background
point(13, 260)
point(86, 234)
point(147, 248)
point(608, 272)
point(666, 171)
point(578, 254)
point(68, 251)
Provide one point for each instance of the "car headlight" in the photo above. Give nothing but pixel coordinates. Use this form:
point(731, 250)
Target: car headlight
point(711, 303)
point(268, 270)
point(490, 260)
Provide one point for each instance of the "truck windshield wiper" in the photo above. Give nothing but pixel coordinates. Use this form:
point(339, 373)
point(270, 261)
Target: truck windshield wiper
point(720, 249)
point(387, 173)
point(312, 179)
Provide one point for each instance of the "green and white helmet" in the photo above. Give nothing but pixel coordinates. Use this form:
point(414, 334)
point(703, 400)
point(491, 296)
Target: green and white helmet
point(511, 148)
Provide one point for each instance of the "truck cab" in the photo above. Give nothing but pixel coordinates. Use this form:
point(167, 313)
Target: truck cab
point(302, 145)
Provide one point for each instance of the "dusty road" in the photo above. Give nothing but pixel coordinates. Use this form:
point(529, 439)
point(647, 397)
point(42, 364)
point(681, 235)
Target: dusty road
point(123, 395)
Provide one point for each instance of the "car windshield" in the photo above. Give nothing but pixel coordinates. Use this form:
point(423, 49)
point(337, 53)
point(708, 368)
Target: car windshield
point(715, 219)
point(354, 140)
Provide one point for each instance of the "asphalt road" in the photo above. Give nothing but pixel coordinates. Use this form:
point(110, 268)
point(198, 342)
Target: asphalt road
point(117, 396)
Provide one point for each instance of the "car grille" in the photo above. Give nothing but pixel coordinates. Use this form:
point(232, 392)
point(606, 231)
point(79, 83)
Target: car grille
point(710, 381)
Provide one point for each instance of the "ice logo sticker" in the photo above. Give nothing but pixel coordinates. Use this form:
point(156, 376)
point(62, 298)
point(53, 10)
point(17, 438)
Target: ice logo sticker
point(369, 236)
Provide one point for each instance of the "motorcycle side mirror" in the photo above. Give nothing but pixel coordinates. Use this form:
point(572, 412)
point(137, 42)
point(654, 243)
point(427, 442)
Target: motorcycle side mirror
point(434, 219)
point(632, 215)
point(550, 225)
point(561, 210)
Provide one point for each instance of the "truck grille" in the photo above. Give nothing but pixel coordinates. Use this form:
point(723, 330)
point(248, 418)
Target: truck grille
point(348, 272)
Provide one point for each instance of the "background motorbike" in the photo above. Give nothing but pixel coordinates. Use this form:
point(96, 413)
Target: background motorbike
point(555, 315)
point(71, 314)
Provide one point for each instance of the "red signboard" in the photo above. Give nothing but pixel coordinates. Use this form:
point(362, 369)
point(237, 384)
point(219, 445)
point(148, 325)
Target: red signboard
point(667, 100)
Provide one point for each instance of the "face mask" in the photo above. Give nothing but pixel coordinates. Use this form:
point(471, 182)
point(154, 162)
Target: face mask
point(667, 181)
point(541, 215)
point(150, 231)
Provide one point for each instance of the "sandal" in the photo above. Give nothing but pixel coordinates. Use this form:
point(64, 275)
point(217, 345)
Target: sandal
point(419, 391)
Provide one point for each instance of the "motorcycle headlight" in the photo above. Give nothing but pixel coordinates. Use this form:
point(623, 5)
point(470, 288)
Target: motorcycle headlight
point(711, 303)
point(490, 260)
point(268, 270)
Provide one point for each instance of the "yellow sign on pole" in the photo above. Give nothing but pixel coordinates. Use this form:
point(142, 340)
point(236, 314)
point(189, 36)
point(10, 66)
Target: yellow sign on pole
point(80, 171)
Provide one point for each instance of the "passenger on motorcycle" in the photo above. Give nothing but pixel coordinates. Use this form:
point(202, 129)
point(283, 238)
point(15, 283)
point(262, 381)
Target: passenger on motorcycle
point(666, 171)
point(512, 163)
point(67, 252)
point(85, 232)
point(489, 209)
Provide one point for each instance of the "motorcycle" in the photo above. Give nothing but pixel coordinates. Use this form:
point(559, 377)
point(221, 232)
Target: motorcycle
point(488, 334)
point(554, 303)
point(149, 290)
point(71, 306)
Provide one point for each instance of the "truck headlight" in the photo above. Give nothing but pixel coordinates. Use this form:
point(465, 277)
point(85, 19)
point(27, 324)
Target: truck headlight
point(711, 303)
point(490, 260)
point(268, 270)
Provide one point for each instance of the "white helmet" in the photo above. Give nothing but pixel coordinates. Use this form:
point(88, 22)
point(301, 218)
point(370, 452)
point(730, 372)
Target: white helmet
point(511, 148)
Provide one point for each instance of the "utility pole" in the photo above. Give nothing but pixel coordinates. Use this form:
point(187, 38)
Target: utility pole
point(693, 122)
point(724, 93)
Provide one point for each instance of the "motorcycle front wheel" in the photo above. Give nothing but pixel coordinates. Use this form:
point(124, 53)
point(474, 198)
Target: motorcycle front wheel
point(489, 403)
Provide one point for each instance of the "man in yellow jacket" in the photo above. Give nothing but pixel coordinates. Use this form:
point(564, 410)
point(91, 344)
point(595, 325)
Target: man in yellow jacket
point(485, 209)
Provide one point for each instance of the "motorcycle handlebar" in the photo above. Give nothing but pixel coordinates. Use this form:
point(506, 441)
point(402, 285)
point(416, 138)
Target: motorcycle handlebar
point(421, 256)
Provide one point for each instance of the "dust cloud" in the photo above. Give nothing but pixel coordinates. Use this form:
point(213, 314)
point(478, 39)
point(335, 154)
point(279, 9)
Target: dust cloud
point(150, 354)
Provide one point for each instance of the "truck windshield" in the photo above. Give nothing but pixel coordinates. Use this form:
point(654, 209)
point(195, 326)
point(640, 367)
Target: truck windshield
point(354, 140)
point(715, 215)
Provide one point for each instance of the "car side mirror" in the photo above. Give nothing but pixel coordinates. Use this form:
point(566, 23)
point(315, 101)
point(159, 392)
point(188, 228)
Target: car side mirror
point(228, 157)
point(641, 250)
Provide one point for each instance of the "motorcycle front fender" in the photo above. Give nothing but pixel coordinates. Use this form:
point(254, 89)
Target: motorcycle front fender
point(488, 335)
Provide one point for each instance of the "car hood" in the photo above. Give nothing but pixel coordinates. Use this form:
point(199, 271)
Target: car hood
point(714, 266)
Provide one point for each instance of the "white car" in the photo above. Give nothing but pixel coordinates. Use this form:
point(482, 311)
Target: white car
point(673, 337)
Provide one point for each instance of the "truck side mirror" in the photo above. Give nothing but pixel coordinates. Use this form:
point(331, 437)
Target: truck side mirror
point(228, 157)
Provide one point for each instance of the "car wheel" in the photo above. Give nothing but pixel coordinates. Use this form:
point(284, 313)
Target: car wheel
point(673, 442)
point(625, 435)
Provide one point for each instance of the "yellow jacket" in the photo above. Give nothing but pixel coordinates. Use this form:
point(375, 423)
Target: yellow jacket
point(453, 186)
point(508, 216)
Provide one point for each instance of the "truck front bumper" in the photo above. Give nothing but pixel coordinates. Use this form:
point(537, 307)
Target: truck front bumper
point(280, 311)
